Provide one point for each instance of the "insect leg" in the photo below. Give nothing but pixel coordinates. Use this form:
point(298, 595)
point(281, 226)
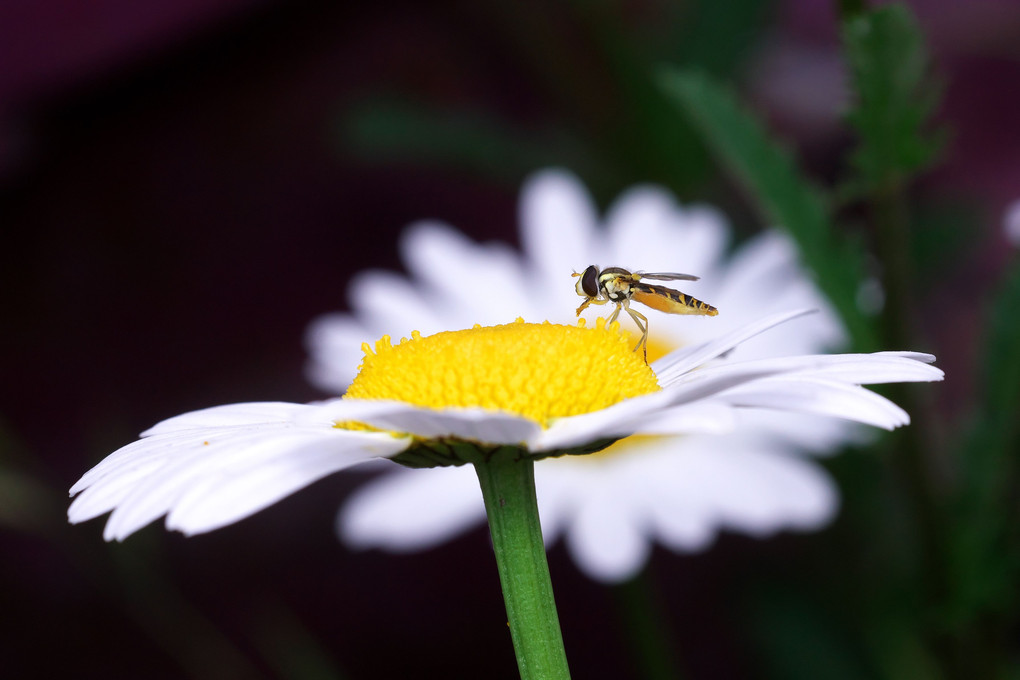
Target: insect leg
point(589, 301)
point(612, 317)
point(642, 322)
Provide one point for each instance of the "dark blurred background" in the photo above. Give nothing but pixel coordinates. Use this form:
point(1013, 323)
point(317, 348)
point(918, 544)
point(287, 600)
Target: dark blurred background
point(184, 185)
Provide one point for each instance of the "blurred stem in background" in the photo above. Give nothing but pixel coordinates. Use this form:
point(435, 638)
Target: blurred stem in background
point(894, 99)
point(984, 538)
point(653, 644)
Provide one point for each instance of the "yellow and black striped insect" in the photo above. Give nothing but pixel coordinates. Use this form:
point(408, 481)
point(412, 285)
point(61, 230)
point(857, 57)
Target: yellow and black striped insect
point(620, 286)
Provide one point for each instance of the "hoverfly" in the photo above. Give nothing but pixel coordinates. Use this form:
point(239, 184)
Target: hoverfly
point(620, 286)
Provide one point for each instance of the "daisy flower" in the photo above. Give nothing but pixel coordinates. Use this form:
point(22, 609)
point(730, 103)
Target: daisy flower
point(677, 489)
point(524, 390)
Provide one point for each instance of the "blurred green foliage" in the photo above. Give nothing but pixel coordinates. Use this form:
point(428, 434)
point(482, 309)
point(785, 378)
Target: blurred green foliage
point(895, 98)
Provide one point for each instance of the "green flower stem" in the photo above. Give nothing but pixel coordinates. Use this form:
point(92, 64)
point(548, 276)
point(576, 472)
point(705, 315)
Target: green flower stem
point(508, 488)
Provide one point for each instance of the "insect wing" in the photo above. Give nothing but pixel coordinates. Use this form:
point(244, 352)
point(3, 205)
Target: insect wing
point(666, 276)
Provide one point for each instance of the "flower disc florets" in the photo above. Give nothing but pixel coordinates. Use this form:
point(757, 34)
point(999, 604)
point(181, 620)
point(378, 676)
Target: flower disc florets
point(539, 371)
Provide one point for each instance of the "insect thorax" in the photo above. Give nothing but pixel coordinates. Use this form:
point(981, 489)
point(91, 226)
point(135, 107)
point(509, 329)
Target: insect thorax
point(616, 282)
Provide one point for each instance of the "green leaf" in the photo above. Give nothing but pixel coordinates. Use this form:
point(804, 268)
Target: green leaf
point(895, 97)
point(782, 194)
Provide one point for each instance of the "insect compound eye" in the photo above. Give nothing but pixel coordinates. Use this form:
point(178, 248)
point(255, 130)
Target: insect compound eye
point(590, 281)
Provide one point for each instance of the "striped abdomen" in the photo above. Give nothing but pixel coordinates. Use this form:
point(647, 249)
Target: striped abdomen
point(668, 300)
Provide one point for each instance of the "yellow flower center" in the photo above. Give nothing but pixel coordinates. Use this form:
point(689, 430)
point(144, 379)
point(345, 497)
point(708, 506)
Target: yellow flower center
point(539, 371)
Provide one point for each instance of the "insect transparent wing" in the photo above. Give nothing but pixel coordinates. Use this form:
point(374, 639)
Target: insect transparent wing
point(665, 276)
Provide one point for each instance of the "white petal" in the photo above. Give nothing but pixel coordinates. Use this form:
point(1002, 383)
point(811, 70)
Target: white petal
point(857, 369)
point(100, 495)
point(406, 510)
point(702, 234)
point(674, 365)
point(261, 413)
point(389, 302)
point(670, 411)
point(435, 253)
point(680, 491)
point(767, 261)
point(822, 397)
point(334, 346)
point(637, 224)
point(707, 417)
point(495, 427)
point(233, 464)
point(229, 461)
point(473, 424)
point(647, 230)
point(734, 483)
point(473, 283)
point(604, 538)
point(816, 435)
point(557, 218)
point(620, 419)
point(234, 494)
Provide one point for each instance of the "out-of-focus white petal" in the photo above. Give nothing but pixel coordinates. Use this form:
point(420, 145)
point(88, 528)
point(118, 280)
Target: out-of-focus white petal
point(708, 417)
point(557, 219)
point(641, 215)
point(740, 485)
point(386, 300)
point(603, 538)
point(647, 230)
point(334, 344)
point(700, 235)
point(406, 510)
point(768, 261)
point(437, 255)
point(792, 432)
point(465, 277)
